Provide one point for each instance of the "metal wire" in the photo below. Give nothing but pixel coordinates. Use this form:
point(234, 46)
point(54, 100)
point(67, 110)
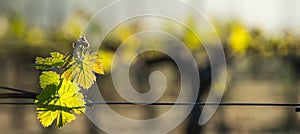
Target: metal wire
point(15, 89)
point(177, 103)
point(25, 94)
point(199, 103)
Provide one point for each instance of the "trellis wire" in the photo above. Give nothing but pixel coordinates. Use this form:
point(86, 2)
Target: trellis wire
point(31, 95)
point(15, 89)
point(176, 103)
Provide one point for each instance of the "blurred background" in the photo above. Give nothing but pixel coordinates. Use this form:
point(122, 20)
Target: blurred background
point(260, 39)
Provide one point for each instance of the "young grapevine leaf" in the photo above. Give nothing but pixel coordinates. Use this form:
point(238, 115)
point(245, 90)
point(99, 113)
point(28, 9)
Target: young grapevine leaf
point(84, 64)
point(60, 98)
point(48, 78)
point(82, 69)
point(56, 60)
point(58, 101)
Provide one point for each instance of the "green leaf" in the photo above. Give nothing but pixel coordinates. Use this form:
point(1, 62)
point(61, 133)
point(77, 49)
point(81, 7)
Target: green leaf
point(60, 98)
point(48, 78)
point(83, 68)
point(59, 102)
point(56, 60)
point(47, 117)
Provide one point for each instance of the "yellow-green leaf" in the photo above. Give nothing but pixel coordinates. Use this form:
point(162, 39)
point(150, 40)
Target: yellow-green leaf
point(49, 77)
point(56, 60)
point(59, 102)
point(83, 68)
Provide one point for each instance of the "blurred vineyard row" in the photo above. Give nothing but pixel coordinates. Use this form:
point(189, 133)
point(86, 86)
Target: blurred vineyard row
point(21, 42)
point(16, 34)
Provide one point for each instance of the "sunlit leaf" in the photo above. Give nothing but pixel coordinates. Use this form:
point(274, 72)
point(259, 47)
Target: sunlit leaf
point(48, 78)
point(59, 102)
point(60, 98)
point(83, 65)
point(83, 68)
point(56, 60)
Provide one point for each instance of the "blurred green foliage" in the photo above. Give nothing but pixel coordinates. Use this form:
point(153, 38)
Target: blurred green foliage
point(237, 39)
point(18, 36)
